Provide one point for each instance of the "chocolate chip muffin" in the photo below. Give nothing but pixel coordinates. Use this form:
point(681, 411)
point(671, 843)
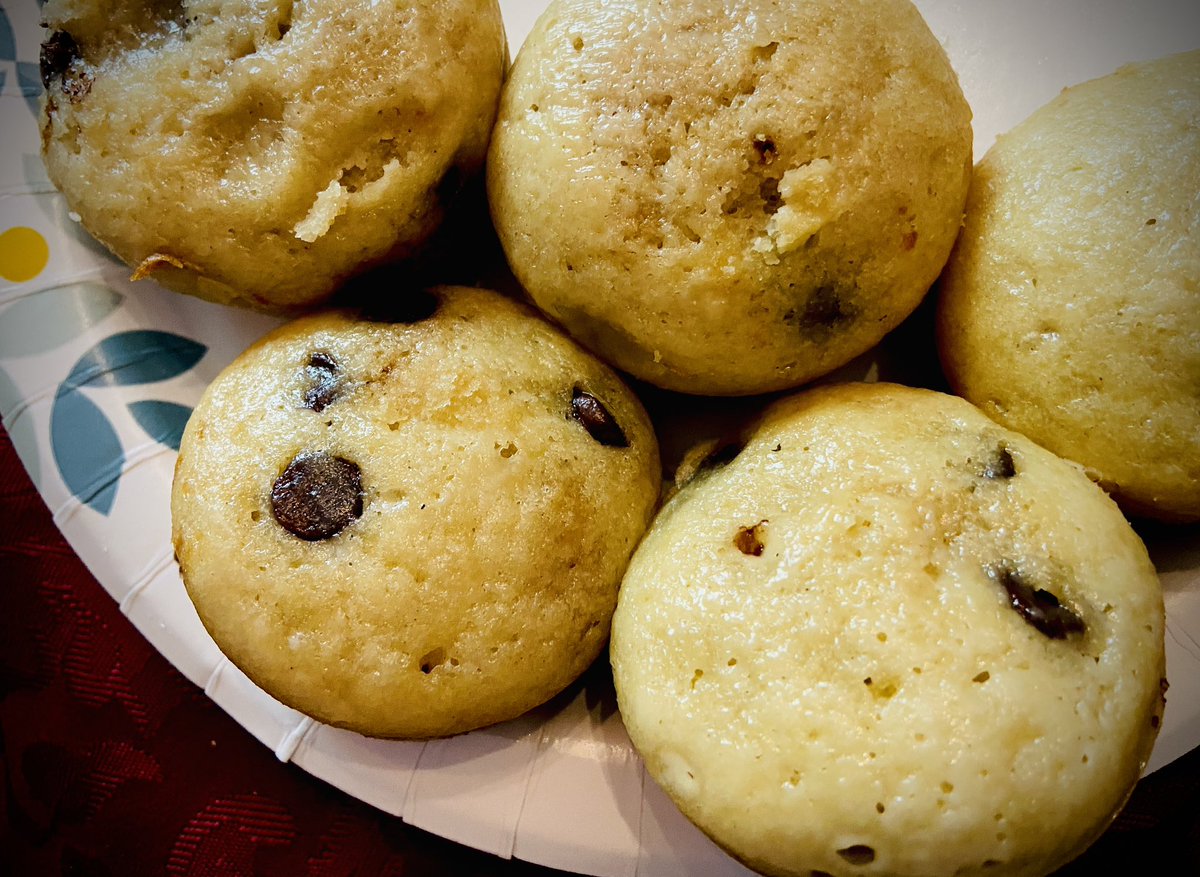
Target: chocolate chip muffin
point(884, 617)
point(1070, 310)
point(413, 524)
point(258, 153)
point(753, 192)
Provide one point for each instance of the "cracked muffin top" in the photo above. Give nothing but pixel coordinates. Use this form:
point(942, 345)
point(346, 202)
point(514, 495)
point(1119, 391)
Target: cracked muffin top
point(259, 152)
point(729, 197)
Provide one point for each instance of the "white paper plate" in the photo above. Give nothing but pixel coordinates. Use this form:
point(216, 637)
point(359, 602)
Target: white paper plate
point(97, 377)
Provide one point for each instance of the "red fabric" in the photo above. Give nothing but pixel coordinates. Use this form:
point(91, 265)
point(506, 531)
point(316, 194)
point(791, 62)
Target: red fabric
point(113, 763)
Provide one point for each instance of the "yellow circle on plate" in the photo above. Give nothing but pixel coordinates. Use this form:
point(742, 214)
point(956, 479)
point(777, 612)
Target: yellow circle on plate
point(23, 254)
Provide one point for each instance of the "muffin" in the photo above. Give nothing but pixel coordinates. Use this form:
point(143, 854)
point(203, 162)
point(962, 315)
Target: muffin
point(734, 197)
point(885, 617)
point(258, 154)
point(417, 527)
point(1069, 310)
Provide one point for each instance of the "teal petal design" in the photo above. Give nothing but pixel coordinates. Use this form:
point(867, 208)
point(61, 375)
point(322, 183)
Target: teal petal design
point(137, 357)
point(29, 77)
point(37, 323)
point(8, 45)
point(86, 449)
point(163, 421)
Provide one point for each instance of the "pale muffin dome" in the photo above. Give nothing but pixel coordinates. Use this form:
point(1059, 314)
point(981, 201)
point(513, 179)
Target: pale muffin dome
point(887, 618)
point(1070, 309)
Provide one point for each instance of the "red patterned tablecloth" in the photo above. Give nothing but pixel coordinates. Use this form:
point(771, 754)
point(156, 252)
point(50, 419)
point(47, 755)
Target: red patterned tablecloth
point(113, 764)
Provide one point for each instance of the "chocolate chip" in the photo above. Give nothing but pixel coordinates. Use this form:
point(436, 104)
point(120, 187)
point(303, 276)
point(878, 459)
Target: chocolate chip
point(1000, 465)
point(58, 53)
point(1037, 606)
point(405, 306)
point(57, 60)
point(748, 540)
point(859, 854)
point(597, 420)
point(824, 308)
point(317, 496)
point(325, 380)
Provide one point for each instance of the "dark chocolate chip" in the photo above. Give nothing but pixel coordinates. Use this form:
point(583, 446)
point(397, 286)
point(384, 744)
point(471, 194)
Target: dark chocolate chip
point(597, 419)
point(748, 540)
point(405, 306)
point(859, 854)
point(58, 53)
point(325, 380)
point(824, 308)
point(1039, 607)
point(317, 496)
point(1000, 465)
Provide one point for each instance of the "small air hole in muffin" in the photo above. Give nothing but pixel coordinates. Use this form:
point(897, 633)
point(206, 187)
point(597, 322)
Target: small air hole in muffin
point(858, 854)
point(432, 659)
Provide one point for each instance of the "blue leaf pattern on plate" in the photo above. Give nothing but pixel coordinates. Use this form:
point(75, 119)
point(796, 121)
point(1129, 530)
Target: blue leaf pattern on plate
point(137, 357)
point(163, 421)
point(36, 323)
point(86, 449)
point(29, 77)
point(8, 45)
